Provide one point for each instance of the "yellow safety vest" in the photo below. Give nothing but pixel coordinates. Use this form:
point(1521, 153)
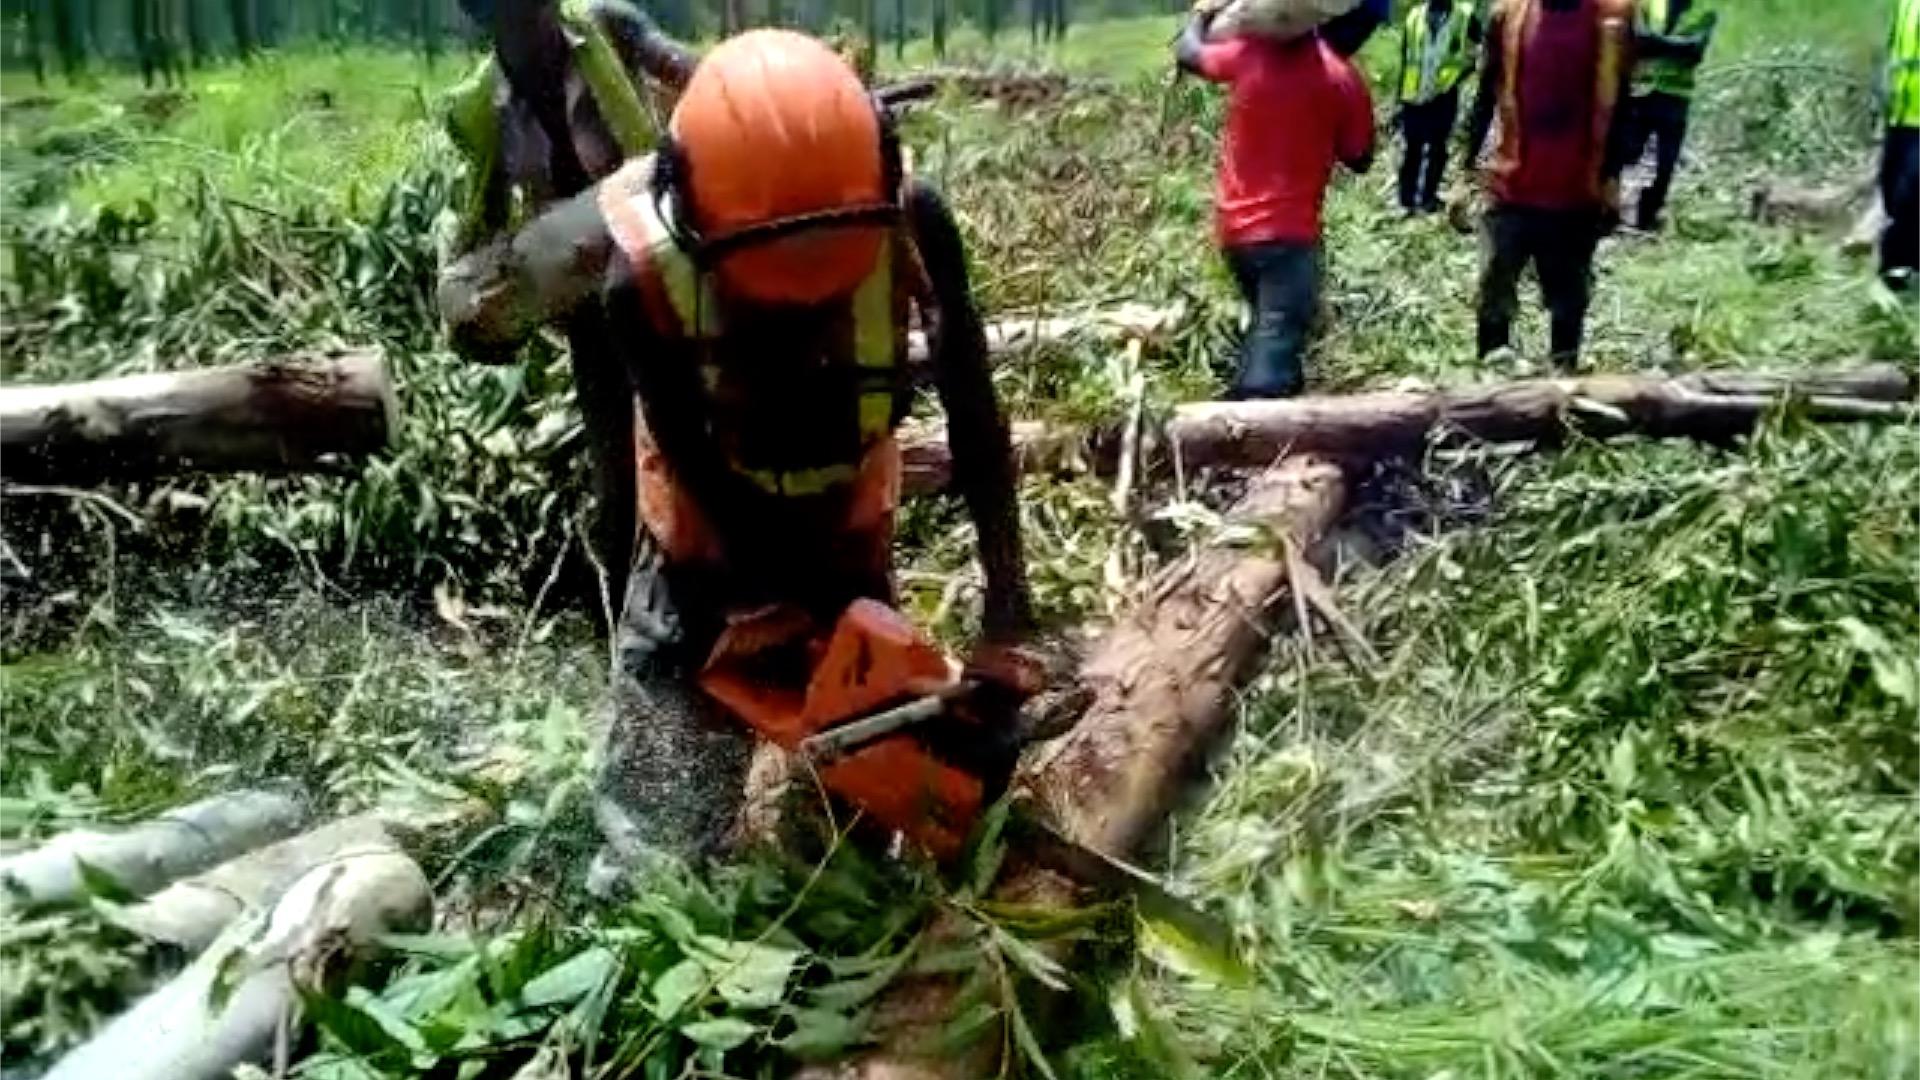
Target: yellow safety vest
point(1903, 66)
point(1665, 74)
point(869, 332)
point(1417, 47)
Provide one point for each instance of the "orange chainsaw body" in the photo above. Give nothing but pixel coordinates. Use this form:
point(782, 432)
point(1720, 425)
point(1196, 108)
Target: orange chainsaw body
point(789, 682)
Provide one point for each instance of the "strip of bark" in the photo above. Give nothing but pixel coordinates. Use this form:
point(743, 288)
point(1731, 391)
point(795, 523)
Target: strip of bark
point(299, 413)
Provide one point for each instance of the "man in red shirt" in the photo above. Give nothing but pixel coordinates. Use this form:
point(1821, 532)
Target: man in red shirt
point(1555, 71)
point(1294, 108)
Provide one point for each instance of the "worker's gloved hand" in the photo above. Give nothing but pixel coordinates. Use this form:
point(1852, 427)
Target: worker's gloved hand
point(1016, 669)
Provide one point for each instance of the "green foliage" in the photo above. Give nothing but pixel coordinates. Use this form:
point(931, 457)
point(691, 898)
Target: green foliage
point(1631, 791)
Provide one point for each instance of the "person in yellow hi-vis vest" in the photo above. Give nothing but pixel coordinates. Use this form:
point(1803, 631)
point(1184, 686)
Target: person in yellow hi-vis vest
point(1900, 153)
point(1438, 44)
point(1670, 37)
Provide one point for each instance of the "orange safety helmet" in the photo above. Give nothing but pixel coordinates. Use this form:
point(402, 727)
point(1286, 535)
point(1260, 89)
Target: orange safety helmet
point(785, 172)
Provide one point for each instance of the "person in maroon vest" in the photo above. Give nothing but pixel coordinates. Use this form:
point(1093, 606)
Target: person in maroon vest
point(1554, 71)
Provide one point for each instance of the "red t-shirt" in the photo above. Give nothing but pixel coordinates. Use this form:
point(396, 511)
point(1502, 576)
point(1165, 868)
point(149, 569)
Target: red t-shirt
point(1293, 109)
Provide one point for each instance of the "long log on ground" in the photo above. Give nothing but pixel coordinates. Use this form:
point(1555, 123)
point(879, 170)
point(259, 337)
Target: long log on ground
point(1711, 406)
point(231, 1005)
point(1163, 683)
point(190, 914)
point(294, 414)
point(1249, 434)
point(148, 856)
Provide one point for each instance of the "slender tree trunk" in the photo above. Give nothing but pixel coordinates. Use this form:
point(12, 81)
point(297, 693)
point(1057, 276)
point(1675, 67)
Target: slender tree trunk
point(30, 33)
point(69, 36)
point(199, 41)
point(899, 29)
point(940, 29)
point(240, 17)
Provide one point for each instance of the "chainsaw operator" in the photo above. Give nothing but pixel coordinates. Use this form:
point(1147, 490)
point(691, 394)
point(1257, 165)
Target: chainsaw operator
point(769, 255)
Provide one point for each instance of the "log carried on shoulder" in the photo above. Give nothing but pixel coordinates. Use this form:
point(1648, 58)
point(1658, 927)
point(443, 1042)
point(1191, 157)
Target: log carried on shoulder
point(293, 414)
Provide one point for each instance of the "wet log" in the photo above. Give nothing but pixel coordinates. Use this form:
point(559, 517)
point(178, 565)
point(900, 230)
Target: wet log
point(296, 414)
point(1163, 684)
point(146, 857)
point(238, 1002)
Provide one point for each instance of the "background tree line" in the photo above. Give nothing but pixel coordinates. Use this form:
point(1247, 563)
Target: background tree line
point(164, 38)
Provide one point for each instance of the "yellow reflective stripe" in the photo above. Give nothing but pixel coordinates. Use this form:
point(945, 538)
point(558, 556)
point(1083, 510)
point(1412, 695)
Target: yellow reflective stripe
point(873, 323)
point(688, 290)
point(799, 482)
point(876, 414)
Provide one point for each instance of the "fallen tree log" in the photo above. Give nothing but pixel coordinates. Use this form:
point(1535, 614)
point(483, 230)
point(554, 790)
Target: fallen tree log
point(1163, 683)
point(1710, 406)
point(145, 857)
point(299, 413)
point(191, 914)
point(238, 1001)
point(1249, 434)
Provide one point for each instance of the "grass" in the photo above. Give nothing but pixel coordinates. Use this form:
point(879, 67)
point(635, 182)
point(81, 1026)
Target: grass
point(1630, 792)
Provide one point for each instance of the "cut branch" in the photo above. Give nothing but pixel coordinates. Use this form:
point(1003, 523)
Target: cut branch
point(298, 413)
point(148, 856)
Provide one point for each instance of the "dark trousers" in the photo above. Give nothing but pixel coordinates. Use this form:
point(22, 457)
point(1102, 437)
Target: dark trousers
point(1280, 281)
point(1559, 244)
point(1662, 120)
point(1426, 127)
point(1900, 195)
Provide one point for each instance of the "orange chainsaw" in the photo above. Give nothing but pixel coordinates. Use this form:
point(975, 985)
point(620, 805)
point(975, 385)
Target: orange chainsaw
point(880, 712)
point(891, 724)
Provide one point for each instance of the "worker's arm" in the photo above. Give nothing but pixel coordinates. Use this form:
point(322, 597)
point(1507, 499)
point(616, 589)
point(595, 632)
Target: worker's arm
point(1488, 93)
point(1688, 47)
point(1616, 151)
point(1354, 136)
point(976, 432)
point(1215, 61)
point(642, 45)
point(1192, 42)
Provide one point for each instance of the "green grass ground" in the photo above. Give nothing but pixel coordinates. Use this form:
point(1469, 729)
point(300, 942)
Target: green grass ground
point(1629, 793)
